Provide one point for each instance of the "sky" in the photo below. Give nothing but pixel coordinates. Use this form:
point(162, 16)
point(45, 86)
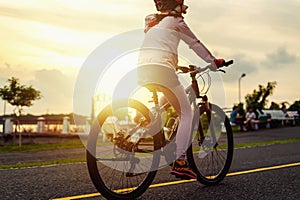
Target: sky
point(44, 43)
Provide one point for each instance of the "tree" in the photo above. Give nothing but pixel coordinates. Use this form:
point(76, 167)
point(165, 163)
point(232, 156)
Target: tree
point(274, 106)
point(295, 106)
point(19, 96)
point(258, 99)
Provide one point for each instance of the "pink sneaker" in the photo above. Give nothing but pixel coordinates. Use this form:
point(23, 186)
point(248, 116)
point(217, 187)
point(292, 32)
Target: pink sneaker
point(181, 170)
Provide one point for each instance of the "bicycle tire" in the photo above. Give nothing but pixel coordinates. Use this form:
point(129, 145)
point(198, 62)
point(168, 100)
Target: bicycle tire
point(136, 185)
point(211, 162)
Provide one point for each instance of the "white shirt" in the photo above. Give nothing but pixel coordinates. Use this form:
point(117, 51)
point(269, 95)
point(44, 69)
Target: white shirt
point(161, 43)
point(250, 115)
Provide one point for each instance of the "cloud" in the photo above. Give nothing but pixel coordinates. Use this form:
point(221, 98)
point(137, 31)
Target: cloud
point(250, 27)
point(55, 86)
point(282, 14)
point(53, 34)
point(9, 70)
point(56, 89)
point(92, 16)
point(66, 20)
point(279, 58)
point(242, 64)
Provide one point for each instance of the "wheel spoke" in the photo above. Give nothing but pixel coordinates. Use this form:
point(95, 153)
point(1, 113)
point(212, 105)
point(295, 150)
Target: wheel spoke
point(121, 171)
point(213, 160)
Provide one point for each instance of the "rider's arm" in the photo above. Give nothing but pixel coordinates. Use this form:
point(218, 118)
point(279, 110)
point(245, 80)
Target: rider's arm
point(194, 43)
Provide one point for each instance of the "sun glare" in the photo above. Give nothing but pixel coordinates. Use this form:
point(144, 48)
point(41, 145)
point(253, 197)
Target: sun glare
point(117, 71)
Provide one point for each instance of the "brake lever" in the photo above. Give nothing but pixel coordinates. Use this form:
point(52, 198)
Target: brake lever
point(221, 70)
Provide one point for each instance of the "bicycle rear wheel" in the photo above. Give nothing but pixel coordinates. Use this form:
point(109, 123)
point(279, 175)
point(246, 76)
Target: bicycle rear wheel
point(121, 169)
point(211, 155)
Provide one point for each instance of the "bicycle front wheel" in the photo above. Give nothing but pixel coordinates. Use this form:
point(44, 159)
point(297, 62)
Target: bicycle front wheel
point(211, 151)
point(121, 168)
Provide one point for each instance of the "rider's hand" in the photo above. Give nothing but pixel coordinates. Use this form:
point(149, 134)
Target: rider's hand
point(217, 63)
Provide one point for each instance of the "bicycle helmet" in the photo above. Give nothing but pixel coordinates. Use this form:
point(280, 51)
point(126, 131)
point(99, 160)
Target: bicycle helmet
point(170, 6)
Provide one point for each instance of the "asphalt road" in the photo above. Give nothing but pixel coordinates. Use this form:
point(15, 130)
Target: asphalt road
point(71, 180)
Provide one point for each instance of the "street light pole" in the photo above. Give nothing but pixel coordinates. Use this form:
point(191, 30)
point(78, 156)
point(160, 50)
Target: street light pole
point(243, 75)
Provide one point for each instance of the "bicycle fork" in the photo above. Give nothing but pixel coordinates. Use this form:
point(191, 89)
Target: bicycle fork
point(210, 137)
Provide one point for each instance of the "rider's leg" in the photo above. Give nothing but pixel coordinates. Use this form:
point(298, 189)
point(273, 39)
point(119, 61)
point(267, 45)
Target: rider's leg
point(183, 109)
point(178, 99)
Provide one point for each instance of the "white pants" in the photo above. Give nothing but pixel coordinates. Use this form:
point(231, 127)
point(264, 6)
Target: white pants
point(178, 99)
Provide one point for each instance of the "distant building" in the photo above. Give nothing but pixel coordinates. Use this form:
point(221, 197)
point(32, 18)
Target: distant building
point(48, 123)
point(98, 103)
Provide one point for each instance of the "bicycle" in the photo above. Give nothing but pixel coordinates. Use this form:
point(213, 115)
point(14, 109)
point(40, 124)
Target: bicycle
point(123, 158)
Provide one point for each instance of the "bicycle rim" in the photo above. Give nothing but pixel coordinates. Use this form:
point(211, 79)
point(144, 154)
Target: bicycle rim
point(211, 158)
point(116, 171)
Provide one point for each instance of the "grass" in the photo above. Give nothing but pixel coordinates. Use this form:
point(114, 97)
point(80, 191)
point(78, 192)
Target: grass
point(37, 164)
point(256, 144)
point(30, 148)
point(41, 147)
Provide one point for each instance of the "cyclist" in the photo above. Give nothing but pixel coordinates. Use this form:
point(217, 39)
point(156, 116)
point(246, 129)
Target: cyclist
point(158, 60)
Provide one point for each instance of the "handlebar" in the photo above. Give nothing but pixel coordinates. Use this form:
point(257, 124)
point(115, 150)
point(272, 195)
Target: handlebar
point(227, 63)
point(194, 69)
